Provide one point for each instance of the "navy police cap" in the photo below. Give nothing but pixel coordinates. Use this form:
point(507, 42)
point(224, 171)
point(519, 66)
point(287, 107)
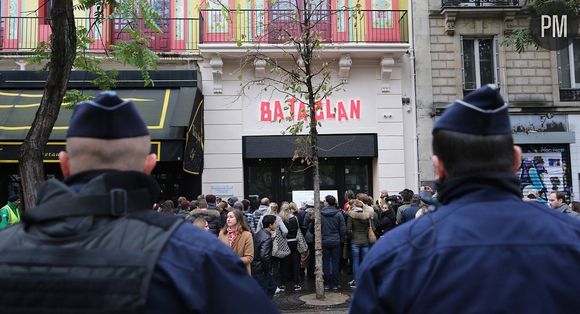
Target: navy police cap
point(481, 112)
point(106, 117)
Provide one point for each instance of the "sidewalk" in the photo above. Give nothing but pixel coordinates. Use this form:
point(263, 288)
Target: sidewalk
point(291, 302)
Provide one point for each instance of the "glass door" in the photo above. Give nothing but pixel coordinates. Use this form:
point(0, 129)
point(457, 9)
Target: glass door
point(158, 41)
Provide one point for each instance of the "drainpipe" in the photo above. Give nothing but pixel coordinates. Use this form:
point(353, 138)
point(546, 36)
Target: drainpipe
point(414, 96)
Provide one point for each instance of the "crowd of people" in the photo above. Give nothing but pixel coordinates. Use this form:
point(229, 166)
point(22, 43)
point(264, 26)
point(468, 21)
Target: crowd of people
point(345, 232)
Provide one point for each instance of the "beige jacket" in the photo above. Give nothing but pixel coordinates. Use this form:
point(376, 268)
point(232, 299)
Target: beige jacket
point(243, 247)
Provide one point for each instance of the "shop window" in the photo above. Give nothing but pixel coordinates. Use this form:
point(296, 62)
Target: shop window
point(327, 176)
point(293, 178)
point(356, 177)
point(277, 178)
point(480, 62)
point(260, 179)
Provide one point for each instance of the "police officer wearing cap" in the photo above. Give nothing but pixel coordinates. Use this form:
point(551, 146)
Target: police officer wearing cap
point(93, 245)
point(483, 250)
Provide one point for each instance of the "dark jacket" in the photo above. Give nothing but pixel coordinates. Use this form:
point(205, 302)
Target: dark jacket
point(410, 212)
point(565, 209)
point(387, 222)
point(293, 225)
point(333, 226)
point(176, 285)
point(357, 226)
point(483, 251)
point(308, 227)
point(262, 252)
point(212, 216)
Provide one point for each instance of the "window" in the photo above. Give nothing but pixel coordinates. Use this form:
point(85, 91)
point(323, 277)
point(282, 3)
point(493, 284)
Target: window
point(569, 65)
point(276, 178)
point(480, 64)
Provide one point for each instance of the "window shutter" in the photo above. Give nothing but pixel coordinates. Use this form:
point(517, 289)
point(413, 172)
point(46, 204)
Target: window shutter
point(564, 75)
point(559, 58)
point(496, 61)
point(462, 62)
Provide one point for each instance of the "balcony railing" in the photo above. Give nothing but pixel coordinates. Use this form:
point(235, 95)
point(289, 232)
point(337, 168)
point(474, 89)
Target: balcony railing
point(280, 26)
point(23, 34)
point(479, 3)
point(569, 94)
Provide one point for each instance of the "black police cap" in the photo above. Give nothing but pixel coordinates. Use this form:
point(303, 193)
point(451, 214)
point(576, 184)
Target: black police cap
point(481, 112)
point(106, 117)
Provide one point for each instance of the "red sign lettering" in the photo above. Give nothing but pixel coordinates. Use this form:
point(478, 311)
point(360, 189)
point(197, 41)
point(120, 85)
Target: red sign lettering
point(325, 110)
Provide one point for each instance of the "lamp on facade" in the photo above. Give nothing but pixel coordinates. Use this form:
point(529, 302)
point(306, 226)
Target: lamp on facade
point(406, 101)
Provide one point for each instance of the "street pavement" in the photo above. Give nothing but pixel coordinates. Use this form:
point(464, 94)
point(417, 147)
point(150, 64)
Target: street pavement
point(289, 302)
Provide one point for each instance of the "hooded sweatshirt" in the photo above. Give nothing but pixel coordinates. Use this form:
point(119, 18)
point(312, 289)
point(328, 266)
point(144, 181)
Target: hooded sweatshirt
point(333, 226)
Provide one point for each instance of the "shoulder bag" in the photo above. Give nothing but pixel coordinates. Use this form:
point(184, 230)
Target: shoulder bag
point(301, 241)
point(372, 236)
point(280, 248)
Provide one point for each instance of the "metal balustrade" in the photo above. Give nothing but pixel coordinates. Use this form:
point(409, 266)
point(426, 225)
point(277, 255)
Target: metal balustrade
point(284, 26)
point(23, 34)
point(479, 3)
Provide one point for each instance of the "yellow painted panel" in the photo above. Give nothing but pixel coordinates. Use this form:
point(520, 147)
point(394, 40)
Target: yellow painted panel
point(192, 15)
point(357, 19)
point(28, 6)
point(403, 4)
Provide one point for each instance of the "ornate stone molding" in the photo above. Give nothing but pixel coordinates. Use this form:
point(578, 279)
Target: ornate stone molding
point(22, 64)
point(387, 63)
point(508, 23)
point(344, 65)
point(217, 67)
point(450, 23)
point(260, 70)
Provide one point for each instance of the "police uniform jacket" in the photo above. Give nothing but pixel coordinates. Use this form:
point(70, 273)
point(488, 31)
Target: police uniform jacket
point(483, 251)
point(187, 271)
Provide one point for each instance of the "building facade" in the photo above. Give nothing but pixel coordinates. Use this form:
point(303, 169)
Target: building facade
point(173, 107)
point(367, 140)
point(460, 46)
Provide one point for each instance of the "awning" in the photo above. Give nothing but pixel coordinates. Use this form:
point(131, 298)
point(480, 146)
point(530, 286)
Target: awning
point(169, 113)
point(330, 145)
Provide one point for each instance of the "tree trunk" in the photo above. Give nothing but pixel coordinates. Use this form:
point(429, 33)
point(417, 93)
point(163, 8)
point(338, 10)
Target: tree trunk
point(63, 52)
point(319, 281)
point(313, 140)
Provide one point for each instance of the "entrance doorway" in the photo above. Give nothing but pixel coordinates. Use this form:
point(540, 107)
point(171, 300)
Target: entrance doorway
point(276, 178)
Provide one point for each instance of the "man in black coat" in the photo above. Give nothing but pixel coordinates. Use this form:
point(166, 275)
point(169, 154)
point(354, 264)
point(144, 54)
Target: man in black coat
point(333, 235)
point(261, 265)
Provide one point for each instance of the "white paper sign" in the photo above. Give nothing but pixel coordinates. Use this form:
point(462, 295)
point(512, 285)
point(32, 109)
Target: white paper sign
point(222, 190)
point(300, 197)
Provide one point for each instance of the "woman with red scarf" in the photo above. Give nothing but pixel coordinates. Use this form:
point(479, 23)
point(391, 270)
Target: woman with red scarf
point(236, 234)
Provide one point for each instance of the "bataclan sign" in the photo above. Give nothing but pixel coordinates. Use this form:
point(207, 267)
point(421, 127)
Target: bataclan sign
point(294, 109)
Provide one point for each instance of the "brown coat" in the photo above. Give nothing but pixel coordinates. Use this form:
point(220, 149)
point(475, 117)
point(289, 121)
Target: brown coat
point(243, 246)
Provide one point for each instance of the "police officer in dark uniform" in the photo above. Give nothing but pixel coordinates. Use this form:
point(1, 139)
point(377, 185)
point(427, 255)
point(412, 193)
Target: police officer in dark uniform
point(94, 245)
point(483, 250)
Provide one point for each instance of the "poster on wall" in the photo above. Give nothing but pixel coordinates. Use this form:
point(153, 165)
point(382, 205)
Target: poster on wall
point(544, 170)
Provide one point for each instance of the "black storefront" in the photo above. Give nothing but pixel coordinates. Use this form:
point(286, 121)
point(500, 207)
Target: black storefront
point(271, 169)
point(172, 108)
